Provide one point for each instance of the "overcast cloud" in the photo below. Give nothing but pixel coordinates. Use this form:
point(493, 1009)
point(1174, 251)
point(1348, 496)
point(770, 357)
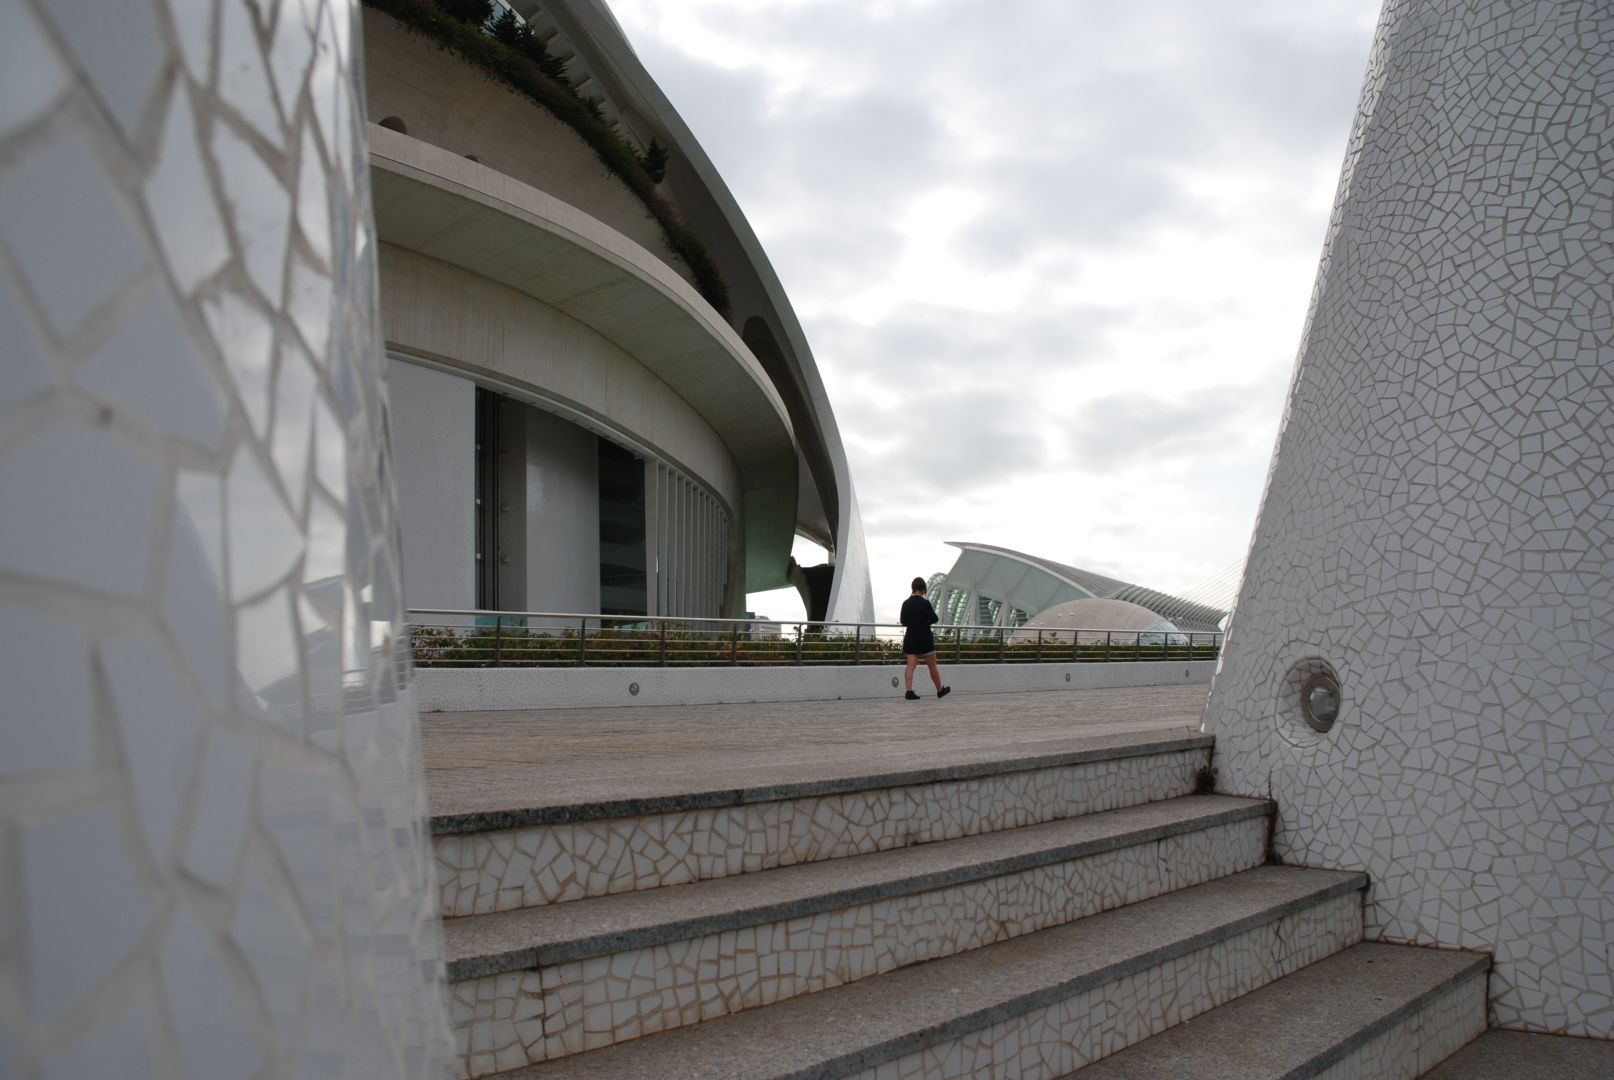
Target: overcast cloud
point(1052, 256)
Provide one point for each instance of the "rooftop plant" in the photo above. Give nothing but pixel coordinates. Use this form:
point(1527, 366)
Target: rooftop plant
point(510, 53)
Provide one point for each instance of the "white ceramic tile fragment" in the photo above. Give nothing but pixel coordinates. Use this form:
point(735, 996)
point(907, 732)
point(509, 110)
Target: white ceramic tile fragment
point(243, 76)
point(123, 67)
point(259, 207)
point(268, 659)
point(246, 340)
point(57, 493)
point(281, 959)
point(193, 607)
point(86, 908)
point(264, 538)
point(179, 196)
point(69, 230)
point(123, 1045)
point(152, 369)
point(160, 726)
point(214, 1034)
point(48, 723)
point(195, 22)
point(32, 75)
point(213, 848)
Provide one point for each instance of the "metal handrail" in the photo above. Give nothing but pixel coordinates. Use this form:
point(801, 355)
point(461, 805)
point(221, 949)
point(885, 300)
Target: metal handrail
point(565, 639)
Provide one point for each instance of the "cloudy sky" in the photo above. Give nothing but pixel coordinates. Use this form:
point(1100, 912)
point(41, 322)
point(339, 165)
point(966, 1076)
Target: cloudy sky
point(1052, 256)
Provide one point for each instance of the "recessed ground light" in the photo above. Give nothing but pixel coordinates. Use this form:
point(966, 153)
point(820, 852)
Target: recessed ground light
point(1319, 701)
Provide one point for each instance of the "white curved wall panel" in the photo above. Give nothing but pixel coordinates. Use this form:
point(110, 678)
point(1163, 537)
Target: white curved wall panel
point(212, 856)
point(1439, 520)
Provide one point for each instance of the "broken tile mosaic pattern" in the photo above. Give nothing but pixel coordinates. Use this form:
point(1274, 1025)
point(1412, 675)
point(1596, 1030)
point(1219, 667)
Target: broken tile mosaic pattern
point(568, 1008)
point(514, 868)
point(1052, 1040)
point(1439, 520)
point(211, 811)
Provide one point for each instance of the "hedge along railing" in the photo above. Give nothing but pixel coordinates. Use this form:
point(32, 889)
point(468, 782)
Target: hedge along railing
point(441, 637)
point(558, 98)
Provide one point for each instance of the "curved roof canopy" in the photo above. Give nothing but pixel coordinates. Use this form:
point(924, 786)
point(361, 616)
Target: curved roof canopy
point(604, 62)
point(1032, 585)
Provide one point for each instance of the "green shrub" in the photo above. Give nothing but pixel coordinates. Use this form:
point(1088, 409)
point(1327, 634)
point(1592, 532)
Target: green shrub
point(470, 12)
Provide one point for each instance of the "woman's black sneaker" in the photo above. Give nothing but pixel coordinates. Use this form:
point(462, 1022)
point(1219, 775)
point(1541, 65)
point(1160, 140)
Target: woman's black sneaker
point(911, 696)
point(944, 691)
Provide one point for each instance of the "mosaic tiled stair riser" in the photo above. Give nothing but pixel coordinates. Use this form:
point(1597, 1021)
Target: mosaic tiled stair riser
point(1372, 1011)
point(1044, 1004)
point(505, 869)
point(1439, 516)
point(568, 1007)
point(211, 813)
point(1051, 1040)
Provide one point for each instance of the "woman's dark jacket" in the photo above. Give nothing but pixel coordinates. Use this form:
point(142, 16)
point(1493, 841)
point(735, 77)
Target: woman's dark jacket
point(917, 616)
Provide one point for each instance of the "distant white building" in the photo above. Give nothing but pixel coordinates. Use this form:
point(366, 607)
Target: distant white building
point(996, 586)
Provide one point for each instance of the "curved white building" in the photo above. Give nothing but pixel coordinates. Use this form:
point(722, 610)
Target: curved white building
point(996, 586)
point(577, 425)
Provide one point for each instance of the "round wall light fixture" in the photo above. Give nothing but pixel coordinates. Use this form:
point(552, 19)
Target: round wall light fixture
point(1319, 701)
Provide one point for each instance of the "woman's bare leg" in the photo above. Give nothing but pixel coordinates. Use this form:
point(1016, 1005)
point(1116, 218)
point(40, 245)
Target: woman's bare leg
point(935, 672)
point(907, 676)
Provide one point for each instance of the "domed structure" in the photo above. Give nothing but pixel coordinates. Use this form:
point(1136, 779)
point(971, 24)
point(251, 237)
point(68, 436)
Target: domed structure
point(1091, 618)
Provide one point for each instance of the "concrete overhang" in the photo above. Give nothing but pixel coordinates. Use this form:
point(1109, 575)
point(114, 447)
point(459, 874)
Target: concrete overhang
point(434, 202)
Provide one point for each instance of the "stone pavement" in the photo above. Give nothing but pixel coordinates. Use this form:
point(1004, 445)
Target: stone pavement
point(487, 761)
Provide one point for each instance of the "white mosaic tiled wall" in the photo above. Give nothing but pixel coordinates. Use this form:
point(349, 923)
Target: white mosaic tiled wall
point(544, 864)
point(1438, 525)
point(212, 857)
point(511, 1019)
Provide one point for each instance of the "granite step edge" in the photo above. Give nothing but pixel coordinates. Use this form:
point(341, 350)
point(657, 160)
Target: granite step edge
point(969, 767)
point(479, 945)
point(1303, 1023)
point(862, 1024)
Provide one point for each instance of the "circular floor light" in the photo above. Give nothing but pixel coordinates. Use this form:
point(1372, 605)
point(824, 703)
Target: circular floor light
point(1319, 701)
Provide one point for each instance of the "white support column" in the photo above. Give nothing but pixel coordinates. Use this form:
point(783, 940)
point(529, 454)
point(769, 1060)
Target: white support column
point(212, 817)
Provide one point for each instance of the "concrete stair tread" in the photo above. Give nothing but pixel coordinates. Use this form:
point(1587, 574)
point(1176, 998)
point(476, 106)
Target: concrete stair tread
point(1298, 1025)
point(480, 945)
point(1520, 1055)
point(850, 1027)
point(473, 810)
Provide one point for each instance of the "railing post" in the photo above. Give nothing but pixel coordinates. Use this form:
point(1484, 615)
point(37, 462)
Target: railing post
point(1003, 640)
point(1106, 646)
point(498, 640)
point(1039, 646)
point(857, 644)
point(1075, 645)
point(958, 645)
point(734, 645)
point(800, 633)
point(582, 642)
point(661, 652)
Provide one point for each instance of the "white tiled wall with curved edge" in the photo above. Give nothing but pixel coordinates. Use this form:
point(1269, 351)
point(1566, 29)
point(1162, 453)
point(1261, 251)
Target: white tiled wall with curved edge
point(1438, 525)
point(213, 861)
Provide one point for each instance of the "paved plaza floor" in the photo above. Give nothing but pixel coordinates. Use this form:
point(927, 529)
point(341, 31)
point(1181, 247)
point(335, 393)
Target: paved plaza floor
point(487, 761)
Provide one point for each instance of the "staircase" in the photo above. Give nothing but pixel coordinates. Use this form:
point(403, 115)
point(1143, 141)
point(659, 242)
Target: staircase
point(1076, 911)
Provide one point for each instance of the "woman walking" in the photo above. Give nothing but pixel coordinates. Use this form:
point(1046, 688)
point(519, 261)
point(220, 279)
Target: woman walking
point(918, 643)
